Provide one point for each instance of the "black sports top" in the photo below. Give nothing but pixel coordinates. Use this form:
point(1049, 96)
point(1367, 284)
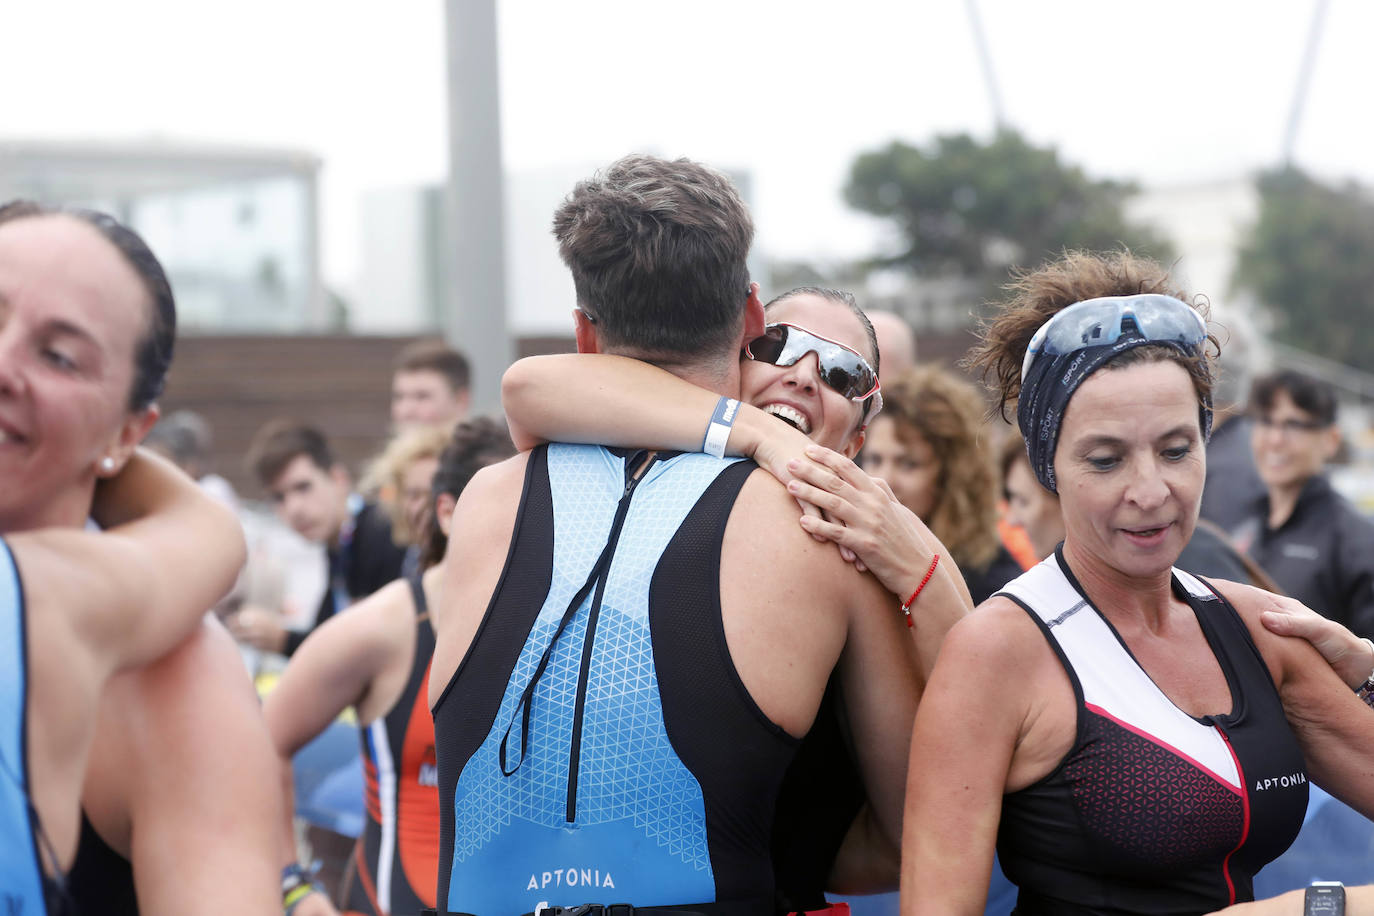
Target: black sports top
point(1152, 811)
point(396, 858)
point(596, 745)
point(101, 880)
point(822, 792)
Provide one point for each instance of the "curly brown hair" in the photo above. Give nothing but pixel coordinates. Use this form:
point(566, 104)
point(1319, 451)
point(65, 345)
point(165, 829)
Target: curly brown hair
point(947, 412)
point(1034, 296)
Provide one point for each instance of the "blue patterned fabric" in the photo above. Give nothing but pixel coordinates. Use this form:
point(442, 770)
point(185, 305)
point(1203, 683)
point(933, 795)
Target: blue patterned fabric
point(21, 890)
point(638, 825)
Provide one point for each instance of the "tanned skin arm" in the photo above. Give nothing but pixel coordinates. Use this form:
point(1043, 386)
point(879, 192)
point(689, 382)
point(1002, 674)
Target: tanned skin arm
point(140, 587)
point(972, 743)
point(1351, 657)
point(359, 659)
point(804, 611)
point(613, 400)
point(99, 602)
point(1359, 901)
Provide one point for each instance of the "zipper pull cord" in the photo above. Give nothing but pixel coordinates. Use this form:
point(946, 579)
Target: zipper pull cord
point(633, 475)
point(522, 709)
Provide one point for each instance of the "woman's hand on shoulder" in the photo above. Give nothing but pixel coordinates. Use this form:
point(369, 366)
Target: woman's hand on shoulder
point(1351, 657)
point(860, 515)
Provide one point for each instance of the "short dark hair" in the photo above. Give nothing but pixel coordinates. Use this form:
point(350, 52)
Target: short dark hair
point(153, 354)
point(474, 445)
point(281, 441)
point(1309, 394)
point(657, 253)
point(436, 356)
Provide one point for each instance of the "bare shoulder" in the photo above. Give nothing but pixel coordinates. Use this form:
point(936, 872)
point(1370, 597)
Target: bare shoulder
point(787, 603)
point(479, 540)
point(488, 488)
point(483, 521)
point(765, 525)
point(998, 626)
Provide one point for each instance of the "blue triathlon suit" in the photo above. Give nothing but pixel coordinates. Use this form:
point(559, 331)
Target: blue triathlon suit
point(1152, 811)
point(596, 745)
point(24, 889)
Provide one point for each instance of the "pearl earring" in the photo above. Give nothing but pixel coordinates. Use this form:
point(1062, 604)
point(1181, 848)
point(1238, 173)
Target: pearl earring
point(107, 464)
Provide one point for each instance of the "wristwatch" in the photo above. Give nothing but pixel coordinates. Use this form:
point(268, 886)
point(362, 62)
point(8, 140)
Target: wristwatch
point(1324, 898)
point(1366, 690)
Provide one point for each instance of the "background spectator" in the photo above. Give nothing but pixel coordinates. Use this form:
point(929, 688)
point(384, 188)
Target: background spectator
point(401, 475)
point(1233, 485)
point(430, 386)
point(1315, 544)
point(312, 494)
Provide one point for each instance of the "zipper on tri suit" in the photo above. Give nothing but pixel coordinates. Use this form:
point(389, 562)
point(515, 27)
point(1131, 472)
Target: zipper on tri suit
point(1245, 808)
point(636, 466)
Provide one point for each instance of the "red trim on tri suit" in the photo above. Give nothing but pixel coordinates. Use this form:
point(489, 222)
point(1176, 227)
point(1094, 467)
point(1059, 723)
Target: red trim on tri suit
point(1173, 750)
point(835, 909)
point(1245, 806)
point(364, 877)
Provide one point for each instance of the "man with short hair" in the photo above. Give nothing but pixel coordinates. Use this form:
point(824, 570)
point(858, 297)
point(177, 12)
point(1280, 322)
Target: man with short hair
point(430, 386)
point(1313, 542)
point(313, 494)
point(645, 636)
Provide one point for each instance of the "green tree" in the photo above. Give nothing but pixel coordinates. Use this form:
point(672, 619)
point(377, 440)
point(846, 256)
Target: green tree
point(1310, 259)
point(973, 209)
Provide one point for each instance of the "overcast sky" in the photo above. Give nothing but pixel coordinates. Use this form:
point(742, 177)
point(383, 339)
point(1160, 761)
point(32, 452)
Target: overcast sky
point(1165, 91)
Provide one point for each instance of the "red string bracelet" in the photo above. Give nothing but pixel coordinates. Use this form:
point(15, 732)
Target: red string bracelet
point(906, 605)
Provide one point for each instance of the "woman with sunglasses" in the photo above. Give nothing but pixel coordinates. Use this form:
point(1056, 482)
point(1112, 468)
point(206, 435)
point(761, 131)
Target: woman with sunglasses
point(815, 371)
point(809, 371)
point(1128, 736)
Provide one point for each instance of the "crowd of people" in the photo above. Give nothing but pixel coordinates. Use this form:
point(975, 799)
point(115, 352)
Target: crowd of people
point(739, 607)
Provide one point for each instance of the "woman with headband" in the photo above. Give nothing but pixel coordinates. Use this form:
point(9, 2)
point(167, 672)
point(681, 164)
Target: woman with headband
point(1129, 737)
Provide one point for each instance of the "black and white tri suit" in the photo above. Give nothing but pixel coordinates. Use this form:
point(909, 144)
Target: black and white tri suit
point(1152, 811)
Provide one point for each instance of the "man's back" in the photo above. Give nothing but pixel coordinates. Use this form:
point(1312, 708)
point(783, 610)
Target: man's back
point(639, 765)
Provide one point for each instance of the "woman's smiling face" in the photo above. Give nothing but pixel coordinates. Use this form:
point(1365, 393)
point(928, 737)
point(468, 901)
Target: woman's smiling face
point(72, 312)
point(796, 393)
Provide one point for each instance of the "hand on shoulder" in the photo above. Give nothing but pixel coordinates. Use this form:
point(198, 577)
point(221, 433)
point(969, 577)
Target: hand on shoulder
point(1278, 623)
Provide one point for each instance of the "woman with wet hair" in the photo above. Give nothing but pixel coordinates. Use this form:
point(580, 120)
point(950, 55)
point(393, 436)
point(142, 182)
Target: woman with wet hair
point(179, 786)
point(1129, 737)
